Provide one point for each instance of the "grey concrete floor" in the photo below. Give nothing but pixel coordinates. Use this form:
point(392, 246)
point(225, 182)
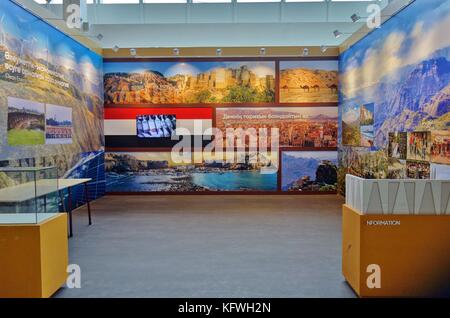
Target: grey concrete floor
point(209, 246)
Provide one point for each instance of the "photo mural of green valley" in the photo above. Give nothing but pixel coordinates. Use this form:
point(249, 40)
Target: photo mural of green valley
point(49, 84)
point(403, 70)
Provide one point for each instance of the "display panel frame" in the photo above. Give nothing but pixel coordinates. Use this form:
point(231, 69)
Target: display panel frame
point(213, 106)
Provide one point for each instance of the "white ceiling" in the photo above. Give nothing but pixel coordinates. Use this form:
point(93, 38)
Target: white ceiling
point(223, 24)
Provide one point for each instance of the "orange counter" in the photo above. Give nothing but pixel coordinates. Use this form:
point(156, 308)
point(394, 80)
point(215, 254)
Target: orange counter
point(33, 258)
point(395, 255)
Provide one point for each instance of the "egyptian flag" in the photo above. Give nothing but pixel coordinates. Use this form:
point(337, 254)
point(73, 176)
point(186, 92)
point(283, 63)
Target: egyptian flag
point(152, 127)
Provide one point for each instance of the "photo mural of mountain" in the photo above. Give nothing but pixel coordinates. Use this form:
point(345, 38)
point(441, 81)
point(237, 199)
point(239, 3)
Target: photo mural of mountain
point(189, 82)
point(309, 171)
point(309, 81)
point(403, 68)
point(39, 64)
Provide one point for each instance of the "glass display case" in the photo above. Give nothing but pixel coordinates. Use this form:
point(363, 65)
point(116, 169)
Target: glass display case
point(28, 195)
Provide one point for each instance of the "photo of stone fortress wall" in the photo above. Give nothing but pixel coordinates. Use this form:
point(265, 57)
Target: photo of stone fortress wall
point(232, 84)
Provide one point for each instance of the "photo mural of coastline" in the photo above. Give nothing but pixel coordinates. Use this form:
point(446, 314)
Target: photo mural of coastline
point(403, 69)
point(309, 171)
point(313, 127)
point(157, 172)
point(189, 82)
point(40, 65)
point(308, 81)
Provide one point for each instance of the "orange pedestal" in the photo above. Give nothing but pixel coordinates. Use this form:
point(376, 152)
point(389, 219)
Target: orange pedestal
point(33, 258)
point(396, 255)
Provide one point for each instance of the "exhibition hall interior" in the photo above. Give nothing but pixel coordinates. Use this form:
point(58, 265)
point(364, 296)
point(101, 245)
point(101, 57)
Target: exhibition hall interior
point(224, 148)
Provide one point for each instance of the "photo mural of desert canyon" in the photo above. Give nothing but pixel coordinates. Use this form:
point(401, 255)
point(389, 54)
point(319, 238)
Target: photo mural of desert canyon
point(309, 82)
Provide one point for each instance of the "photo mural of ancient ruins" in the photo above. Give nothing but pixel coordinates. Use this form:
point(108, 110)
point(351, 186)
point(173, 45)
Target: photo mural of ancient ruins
point(189, 82)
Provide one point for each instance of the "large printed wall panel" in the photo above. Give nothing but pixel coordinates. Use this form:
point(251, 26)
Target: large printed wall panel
point(234, 109)
point(309, 81)
point(165, 172)
point(153, 127)
point(394, 96)
point(305, 171)
point(189, 82)
point(307, 127)
point(51, 100)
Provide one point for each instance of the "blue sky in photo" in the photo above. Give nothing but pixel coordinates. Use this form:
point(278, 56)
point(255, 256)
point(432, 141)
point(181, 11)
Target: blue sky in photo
point(429, 11)
point(39, 35)
point(192, 68)
point(61, 113)
point(370, 107)
point(26, 104)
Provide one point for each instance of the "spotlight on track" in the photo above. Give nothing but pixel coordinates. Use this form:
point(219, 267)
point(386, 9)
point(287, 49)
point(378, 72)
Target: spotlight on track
point(337, 34)
point(133, 52)
point(115, 48)
point(218, 52)
point(176, 51)
point(355, 17)
point(323, 48)
point(262, 51)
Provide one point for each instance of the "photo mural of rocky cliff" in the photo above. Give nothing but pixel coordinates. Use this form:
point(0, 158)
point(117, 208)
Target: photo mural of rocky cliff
point(403, 69)
point(40, 65)
point(189, 82)
point(304, 171)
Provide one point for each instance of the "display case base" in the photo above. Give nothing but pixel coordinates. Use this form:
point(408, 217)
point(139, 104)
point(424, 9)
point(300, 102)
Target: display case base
point(33, 258)
point(396, 255)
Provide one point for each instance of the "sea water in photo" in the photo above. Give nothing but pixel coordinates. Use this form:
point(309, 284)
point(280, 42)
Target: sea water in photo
point(236, 180)
point(213, 181)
